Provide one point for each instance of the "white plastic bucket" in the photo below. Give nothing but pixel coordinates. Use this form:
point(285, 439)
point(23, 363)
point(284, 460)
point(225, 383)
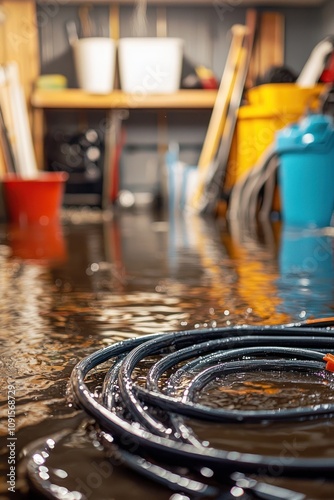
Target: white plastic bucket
point(150, 65)
point(95, 64)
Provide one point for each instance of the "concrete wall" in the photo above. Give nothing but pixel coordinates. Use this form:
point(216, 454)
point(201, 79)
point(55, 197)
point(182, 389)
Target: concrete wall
point(302, 31)
point(327, 21)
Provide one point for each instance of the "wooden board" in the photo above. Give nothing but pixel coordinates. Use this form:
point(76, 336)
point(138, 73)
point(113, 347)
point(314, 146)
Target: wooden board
point(207, 196)
point(20, 30)
point(114, 27)
point(218, 116)
point(253, 17)
point(79, 99)
point(20, 33)
point(268, 48)
point(272, 41)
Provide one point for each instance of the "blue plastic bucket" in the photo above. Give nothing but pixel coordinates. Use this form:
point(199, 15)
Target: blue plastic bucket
point(306, 171)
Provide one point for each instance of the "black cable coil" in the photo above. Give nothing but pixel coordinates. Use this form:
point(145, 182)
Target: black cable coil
point(148, 424)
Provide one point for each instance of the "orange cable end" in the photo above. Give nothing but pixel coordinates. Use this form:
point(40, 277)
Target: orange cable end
point(329, 358)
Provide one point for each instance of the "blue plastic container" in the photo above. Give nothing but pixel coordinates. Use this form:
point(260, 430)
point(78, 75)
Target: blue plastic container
point(306, 171)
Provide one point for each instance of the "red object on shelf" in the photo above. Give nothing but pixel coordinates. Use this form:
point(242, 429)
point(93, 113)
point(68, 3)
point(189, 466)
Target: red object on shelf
point(209, 83)
point(34, 201)
point(328, 73)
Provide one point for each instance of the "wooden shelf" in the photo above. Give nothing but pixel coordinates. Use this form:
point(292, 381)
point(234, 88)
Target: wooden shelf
point(78, 99)
point(229, 5)
point(42, 100)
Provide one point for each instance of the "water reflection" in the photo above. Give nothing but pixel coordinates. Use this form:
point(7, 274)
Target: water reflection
point(37, 242)
point(306, 271)
point(108, 280)
point(253, 253)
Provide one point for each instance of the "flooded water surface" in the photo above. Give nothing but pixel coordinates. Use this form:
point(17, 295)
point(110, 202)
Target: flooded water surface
point(90, 282)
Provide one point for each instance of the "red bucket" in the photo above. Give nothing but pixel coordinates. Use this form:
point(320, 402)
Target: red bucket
point(37, 200)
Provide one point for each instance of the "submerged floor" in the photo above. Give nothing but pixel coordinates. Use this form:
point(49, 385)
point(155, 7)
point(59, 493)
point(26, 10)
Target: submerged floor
point(70, 289)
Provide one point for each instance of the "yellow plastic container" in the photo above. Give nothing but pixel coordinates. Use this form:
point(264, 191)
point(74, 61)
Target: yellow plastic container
point(271, 107)
point(280, 95)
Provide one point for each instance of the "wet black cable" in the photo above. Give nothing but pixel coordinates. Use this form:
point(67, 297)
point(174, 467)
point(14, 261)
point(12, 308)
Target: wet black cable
point(205, 377)
point(198, 411)
point(196, 353)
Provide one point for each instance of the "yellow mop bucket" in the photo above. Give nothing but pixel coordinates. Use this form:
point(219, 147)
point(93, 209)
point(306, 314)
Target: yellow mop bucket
point(271, 107)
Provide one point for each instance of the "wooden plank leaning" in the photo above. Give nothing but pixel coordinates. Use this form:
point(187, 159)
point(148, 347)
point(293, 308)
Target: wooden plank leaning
point(222, 123)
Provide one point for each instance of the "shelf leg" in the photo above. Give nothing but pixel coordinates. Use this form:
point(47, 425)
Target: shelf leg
point(38, 136)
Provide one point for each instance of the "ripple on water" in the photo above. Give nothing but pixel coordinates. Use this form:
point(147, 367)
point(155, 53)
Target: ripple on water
point(52, 317)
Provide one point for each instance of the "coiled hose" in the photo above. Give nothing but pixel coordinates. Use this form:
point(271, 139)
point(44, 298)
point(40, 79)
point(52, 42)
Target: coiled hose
point(148, 425)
